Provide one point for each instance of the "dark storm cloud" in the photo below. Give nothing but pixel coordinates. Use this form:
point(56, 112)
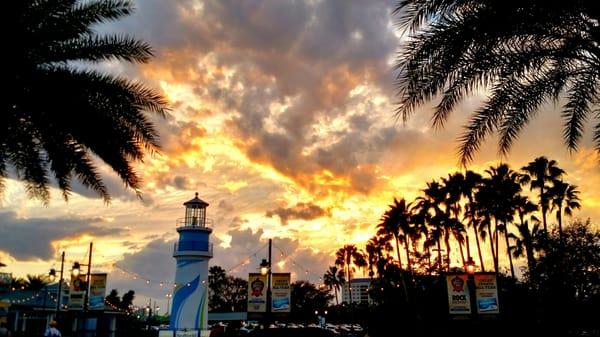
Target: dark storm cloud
point(301, 211)
point(31, 239)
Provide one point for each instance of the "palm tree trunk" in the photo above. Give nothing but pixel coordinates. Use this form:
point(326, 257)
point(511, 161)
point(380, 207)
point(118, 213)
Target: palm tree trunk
point(408, 264)
point(491, 236)
point(439, 246)
point(337, 301)
point(478, 248)
point(447, 242)
point(462, 255)
point(349, 285)
point(559, 219)
point(428, 258)
point(542, 199)
point(512, 268)
point(497, 244)
point(398, 251)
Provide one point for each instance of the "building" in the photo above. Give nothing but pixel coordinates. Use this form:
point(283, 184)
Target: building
point(189, 309)
point(360, 290)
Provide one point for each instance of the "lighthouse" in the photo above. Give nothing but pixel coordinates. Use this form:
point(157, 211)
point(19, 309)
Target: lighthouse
point(192, 252)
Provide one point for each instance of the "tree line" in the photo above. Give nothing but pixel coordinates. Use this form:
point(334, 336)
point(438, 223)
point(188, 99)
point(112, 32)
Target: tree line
point(493, 209)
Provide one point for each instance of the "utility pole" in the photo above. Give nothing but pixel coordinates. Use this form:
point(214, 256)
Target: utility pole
point(87, 285)
point(60, 283)
point(269, 300)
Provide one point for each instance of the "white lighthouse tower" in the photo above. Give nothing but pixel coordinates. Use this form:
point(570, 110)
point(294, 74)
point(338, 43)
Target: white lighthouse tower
point(192, 252)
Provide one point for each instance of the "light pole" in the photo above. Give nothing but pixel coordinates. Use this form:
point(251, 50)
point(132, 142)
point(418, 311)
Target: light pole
point(52, 276)
point(76, 270)
point(470, 267)
point(169, 295)
point(265, 269)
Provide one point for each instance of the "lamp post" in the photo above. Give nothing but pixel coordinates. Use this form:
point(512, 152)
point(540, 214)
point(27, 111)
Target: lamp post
point(52, 276)
point(76, 270)
point(169, 295)
point(470, 268)
point(265, 269)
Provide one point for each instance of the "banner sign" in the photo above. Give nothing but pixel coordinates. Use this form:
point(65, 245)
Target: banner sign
point(281, 292)
point(97, 290)
point(459, 301)
point(486, 294)
point(257, 292)
point(77, 290)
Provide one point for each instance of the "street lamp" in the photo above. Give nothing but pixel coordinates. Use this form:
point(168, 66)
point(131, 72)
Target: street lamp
point(265, 269)
point(52, 275)
point(470, 267)
point(76, 269)
point(169, 295)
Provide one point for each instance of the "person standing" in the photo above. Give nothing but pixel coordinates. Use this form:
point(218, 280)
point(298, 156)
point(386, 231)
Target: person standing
point(52, 331)
point(4, 332)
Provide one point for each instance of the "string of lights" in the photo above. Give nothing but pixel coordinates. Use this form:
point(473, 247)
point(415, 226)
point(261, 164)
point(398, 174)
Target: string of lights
point(307, 270)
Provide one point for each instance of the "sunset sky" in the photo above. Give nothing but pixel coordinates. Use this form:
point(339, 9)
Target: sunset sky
point(282, 119)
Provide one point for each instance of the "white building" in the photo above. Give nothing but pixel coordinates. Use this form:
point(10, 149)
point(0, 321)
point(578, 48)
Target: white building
point(360, 290)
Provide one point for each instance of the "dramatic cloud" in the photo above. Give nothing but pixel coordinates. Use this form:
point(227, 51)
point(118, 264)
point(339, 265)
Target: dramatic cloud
point(302, 211)
point(32, 238)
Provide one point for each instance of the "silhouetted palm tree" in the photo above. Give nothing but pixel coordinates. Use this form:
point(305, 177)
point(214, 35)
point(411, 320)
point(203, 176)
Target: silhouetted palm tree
point(347, 257)
point(498, 195)
point(378, 248)
point(334, 279)
point(394, 222)
point(59, 117)
point(471, 183)
point(526, 52)
point(538, 174)
point(428, 208)
point(565, 199)
point(36, 282)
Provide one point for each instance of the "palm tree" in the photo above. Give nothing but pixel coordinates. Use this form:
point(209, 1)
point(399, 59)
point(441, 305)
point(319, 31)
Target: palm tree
point(525, 244)
point(497, 196)
point(526, 52)
point(36, 282)
point(334, 279)
point(564, 199)
point(347, 257)
point(428, 209)
point(394, 222)
point(377, 249)
point(58, 117)
point(538, 174)
point(471, 183)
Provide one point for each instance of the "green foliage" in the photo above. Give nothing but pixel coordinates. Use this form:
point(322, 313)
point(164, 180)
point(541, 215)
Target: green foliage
point(526, 53)
point(58, 118)
point(226, 293)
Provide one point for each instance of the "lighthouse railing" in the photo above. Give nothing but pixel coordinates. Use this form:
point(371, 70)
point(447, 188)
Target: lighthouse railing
point(194, 222)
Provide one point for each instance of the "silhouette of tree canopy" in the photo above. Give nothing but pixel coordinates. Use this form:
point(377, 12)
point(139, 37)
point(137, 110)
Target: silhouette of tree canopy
point(306, 298)
point(526, 52)
point(59, 117)
point(226, 293)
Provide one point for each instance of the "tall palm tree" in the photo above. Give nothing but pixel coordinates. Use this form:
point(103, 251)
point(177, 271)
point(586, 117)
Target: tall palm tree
point(538, 174)
point(565, 198)
point(471, 183)
point(58, 116)
point(394, 222)
point(428, 208)
point(334, 279)
point(347, 257)
point(498, 195)
point(526, 52)
point(377, 249)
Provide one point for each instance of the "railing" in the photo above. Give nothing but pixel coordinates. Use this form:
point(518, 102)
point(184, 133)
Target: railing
point(193, 246)
point(194, 222)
